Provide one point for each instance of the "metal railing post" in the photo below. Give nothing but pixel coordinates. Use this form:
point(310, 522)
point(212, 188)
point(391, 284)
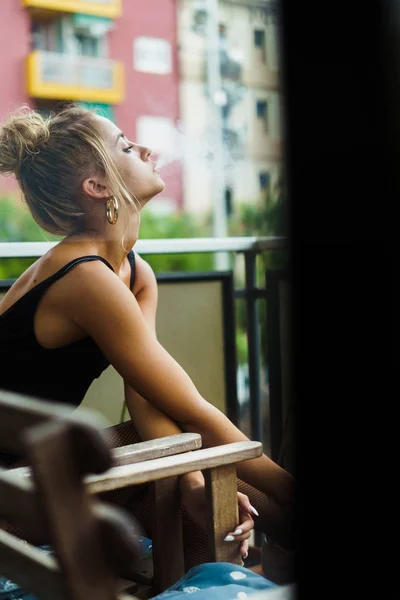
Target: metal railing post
point(253, 341)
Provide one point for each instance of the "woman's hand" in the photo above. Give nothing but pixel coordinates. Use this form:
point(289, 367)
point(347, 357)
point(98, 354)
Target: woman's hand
point(243, 531)
point(192, 488)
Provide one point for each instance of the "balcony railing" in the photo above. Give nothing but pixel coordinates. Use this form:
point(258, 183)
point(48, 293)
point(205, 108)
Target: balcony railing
point(252, 294)
point(63, 77)
point(230, 69)
point(101, 8)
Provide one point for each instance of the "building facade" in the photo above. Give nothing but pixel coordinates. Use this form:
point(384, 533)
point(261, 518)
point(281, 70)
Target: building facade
point(249, 99)
point(112, 55)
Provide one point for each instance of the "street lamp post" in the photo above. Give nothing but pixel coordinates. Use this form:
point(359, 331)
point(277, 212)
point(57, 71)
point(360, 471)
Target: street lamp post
point(217, 99)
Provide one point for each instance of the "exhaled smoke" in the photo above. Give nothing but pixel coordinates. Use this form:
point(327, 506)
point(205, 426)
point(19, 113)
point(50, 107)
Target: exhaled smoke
point(185, 148)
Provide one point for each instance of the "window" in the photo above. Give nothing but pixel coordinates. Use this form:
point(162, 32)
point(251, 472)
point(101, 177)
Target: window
point(228, 201)
point(259, 43)
point(262, 114)
point(48, 107)
point(44, 36)
point(262, 109)
point(199, 22)
point(222, 31)
point(152, 55)
point(87, 45)
point(264, 178)
point(259, 38)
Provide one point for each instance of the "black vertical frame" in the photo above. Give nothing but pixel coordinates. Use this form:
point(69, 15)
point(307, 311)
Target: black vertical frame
point(273, 354)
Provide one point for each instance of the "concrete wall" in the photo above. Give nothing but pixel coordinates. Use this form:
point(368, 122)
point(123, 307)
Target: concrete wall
point(259, 149)
point(149, 94)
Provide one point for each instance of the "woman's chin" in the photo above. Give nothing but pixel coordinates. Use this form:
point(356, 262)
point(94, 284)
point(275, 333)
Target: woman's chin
point(161, 186)
point(155, 192)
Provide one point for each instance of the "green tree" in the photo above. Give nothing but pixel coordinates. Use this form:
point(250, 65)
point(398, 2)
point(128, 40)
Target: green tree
point(269, 217)
point(17, 225)
point(175, 226)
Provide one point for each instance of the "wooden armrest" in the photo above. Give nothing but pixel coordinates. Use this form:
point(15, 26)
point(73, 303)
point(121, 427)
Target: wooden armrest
point(166, 446)
point(142, 451)
point(169, 466)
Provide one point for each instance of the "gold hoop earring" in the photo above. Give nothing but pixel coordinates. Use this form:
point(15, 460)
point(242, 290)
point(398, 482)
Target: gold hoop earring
point(112, 210)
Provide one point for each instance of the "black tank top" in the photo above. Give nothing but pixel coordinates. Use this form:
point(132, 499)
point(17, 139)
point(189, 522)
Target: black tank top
point(61, 374)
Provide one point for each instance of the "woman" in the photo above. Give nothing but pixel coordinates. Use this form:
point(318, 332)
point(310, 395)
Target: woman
point(91, 301)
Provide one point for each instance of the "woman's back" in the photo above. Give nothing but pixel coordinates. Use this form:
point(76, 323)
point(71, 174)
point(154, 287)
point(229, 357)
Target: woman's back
point(42, 353)
point(63, 372)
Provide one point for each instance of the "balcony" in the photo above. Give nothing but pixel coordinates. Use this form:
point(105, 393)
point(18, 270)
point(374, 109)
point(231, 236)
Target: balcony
point(196, 323)
point(55, 76)
point(234, 142)
point(230, 68)
point(101, 8)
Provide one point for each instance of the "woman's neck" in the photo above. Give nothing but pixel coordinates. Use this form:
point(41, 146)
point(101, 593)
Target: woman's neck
point(112, 242)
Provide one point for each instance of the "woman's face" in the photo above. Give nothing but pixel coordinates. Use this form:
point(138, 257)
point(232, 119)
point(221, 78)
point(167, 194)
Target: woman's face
point(137, 169)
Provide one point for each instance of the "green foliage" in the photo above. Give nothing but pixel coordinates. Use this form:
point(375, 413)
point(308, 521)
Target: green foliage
point(17, 224)
point(241, 333)
point(267, 218)
point(11, 268)
point(175, 226)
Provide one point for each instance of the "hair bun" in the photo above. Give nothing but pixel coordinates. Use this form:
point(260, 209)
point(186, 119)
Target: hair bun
point(21, 136)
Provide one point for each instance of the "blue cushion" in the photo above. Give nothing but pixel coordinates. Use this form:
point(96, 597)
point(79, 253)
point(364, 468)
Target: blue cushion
point(219, 581)
point(211, 580)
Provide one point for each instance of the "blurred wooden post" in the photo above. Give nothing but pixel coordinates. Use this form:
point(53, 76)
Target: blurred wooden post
point(67, 506)
point(223, 516)
point(169, 567)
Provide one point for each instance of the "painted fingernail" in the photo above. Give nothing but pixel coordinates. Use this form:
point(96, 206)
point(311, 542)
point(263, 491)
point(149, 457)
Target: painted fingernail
point(254, 510)
point(229, 538)
point(245, 556)
point(238, 532)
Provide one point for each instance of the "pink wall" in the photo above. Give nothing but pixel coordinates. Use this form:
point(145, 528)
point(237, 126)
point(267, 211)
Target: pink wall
point(148, 94)
point(14, 47)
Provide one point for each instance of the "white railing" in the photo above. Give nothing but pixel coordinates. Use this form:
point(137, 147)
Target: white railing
point(82, 71)
point(169, 246)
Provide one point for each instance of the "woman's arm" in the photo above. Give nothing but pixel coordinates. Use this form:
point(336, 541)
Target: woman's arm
point(150, 422)
point(105, 308)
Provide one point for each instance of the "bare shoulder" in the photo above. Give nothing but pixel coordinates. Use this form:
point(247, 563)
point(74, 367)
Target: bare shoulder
point(92, 277)
point(145, 277)
point(86, 280)
point(43, 268)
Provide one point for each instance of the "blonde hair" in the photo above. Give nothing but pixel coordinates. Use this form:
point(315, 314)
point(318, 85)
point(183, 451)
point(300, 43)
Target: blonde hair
point(51, 157)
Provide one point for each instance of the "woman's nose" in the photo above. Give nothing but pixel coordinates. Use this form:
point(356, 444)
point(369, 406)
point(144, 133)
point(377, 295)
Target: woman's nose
point(145, 152)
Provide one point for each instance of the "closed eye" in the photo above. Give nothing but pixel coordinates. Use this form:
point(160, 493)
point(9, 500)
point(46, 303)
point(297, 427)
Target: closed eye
point(128, 149)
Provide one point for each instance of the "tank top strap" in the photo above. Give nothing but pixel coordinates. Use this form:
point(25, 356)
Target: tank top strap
point(73, 263)
point(28, 302)
point(77, 261)
point(132, 262)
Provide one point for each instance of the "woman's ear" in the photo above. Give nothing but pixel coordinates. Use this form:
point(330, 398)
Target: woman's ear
point(95, 187)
